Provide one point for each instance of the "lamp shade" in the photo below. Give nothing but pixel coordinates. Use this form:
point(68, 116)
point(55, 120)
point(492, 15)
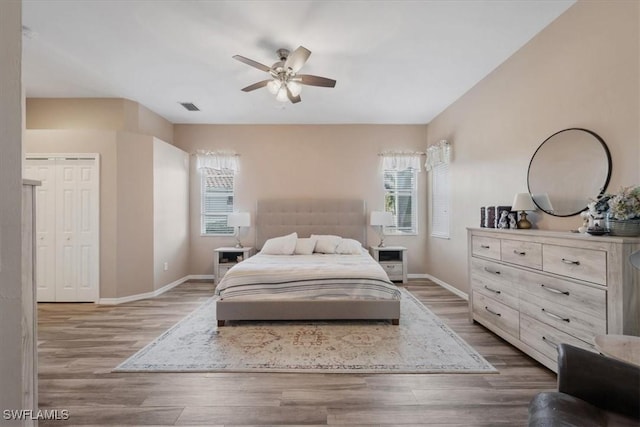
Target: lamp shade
point(382, 218)
point(239, 219)
point(523, 202)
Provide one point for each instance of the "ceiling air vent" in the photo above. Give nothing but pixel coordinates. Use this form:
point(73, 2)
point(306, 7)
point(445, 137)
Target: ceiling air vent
point(190, 106)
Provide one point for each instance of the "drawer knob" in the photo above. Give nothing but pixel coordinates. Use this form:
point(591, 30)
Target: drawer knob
point(550, 342)
point(488, 270)
point(568, 261)
point(555, 316)
point(485, 246)
point(553, 290)
point(492, 290)
point(492, 312)
point(517, 252)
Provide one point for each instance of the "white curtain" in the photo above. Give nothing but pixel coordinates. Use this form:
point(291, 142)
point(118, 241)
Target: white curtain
point(401, 161)
point(219, 161)
point(437, 154)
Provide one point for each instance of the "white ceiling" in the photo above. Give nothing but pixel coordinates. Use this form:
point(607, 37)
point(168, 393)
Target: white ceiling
point(394, 61)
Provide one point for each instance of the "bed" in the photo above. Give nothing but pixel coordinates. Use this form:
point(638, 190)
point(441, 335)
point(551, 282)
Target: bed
point(311, 286)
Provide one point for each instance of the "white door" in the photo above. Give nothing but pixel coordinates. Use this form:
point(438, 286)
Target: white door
point(44, 171)
point(68, 268)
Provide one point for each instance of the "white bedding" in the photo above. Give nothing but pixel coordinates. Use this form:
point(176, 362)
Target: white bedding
point(318, 276)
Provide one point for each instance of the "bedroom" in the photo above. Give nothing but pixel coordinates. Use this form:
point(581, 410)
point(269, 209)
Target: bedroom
point(494, 129)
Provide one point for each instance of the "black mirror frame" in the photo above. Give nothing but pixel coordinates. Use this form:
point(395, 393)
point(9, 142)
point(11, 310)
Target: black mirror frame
point(606, 182)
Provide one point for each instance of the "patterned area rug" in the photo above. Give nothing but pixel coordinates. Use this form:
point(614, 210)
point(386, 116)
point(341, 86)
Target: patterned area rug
point(422, 343)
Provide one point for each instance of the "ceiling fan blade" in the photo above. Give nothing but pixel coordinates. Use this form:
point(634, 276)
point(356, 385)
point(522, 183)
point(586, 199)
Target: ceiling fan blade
point(255, 86)
point(253, 63)
point(297, 58)
point(308, 79)
point(293, 99)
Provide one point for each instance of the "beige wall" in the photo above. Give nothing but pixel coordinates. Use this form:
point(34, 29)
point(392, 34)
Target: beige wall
point(170, 213)
point(134, 231)
point(302, 161)
point(581, 71)
point(10, 208)
point(96, 114)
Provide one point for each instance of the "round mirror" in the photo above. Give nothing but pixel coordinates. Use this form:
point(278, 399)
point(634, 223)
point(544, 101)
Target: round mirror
point(568, 170)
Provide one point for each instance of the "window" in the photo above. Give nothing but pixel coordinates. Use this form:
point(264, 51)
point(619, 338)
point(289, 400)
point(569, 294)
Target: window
point(217, 201)
point(440, 201)
point(400, 198)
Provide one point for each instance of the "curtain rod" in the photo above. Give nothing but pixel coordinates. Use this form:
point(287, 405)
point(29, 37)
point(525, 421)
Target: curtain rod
point(401, 153)
point(220, 153)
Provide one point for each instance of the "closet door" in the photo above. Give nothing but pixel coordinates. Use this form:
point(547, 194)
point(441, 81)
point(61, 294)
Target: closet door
point(67, 227)
point(76, 230)
point(44, 170)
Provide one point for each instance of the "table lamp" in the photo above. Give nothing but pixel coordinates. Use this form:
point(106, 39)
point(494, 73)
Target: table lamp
point(381, 219)
point(523, 202)
point(238, 219)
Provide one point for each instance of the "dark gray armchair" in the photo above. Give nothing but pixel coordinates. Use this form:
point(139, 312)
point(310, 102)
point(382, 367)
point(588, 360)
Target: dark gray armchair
point(593, 390)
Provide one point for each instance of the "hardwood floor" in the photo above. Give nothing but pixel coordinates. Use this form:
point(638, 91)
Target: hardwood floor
point(79, 344)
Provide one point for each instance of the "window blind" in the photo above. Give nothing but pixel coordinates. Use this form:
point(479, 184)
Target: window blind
point(400, 199)
point(440, 201)
point(217, 201)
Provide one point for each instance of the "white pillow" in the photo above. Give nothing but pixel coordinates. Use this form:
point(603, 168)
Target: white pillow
point(305, 246)
point(326, 243)
point(349, 247)
point(284, 245)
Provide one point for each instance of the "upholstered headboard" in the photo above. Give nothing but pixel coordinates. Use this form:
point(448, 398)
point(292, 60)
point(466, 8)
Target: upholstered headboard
point(341, 217)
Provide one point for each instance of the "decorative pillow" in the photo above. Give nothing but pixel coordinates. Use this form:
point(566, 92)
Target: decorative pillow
point(326, 243)
point(349, 247)
point(284, 245)
point(305, 246)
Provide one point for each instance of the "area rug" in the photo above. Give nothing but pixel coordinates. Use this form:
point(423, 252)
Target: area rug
point(422, 343)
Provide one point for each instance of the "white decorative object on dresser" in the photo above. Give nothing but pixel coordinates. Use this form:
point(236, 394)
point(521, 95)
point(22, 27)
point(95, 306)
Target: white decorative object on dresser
point(393, 259)
point(227, 257)
point(537, 288)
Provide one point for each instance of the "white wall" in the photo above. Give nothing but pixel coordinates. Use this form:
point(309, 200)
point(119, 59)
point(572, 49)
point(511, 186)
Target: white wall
point(170, 213)
point(11, 206)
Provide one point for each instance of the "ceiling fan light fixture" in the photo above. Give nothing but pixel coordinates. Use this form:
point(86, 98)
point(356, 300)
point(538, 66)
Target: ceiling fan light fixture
point(282, 94)
point(295, 88)
point(274, 86)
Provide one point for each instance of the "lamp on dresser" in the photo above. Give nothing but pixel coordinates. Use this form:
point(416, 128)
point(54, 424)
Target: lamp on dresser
point(523, 202)
point(381, 219)
point(238, 219)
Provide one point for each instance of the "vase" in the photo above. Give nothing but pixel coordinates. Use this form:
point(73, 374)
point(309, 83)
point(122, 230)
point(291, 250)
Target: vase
point(624, 227)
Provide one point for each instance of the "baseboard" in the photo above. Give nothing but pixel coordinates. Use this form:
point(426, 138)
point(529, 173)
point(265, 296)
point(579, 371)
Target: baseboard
point(441, 283)
point(200, 277)
point(136, 297)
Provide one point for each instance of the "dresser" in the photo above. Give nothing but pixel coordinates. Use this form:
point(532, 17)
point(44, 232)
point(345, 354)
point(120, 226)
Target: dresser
point(536, 289)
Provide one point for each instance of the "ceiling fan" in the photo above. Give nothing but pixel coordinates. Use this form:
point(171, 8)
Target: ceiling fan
point(285, 82)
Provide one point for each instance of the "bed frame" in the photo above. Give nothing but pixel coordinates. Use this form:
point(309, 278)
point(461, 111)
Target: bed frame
point(278, 217)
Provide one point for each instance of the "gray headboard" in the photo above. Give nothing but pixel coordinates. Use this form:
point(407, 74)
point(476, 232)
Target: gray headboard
point(341, 217)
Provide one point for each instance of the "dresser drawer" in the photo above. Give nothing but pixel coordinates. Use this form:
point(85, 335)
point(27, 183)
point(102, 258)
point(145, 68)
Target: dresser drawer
point(584, 299)
point(488, 247)
point(393, 269)
point(584, 264)
point(545, 338)
point(491, 311)
point(523, 253)
point(495, 281)
point(222, 270)
point(566, 319)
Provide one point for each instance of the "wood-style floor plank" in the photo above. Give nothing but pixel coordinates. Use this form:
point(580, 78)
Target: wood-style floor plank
point(79, 345)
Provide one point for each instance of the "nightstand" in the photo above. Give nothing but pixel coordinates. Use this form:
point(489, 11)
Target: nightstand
point(393, 259)
point(225, 258)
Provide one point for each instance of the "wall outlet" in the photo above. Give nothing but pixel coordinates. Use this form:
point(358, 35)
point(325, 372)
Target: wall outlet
point(166, 266)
